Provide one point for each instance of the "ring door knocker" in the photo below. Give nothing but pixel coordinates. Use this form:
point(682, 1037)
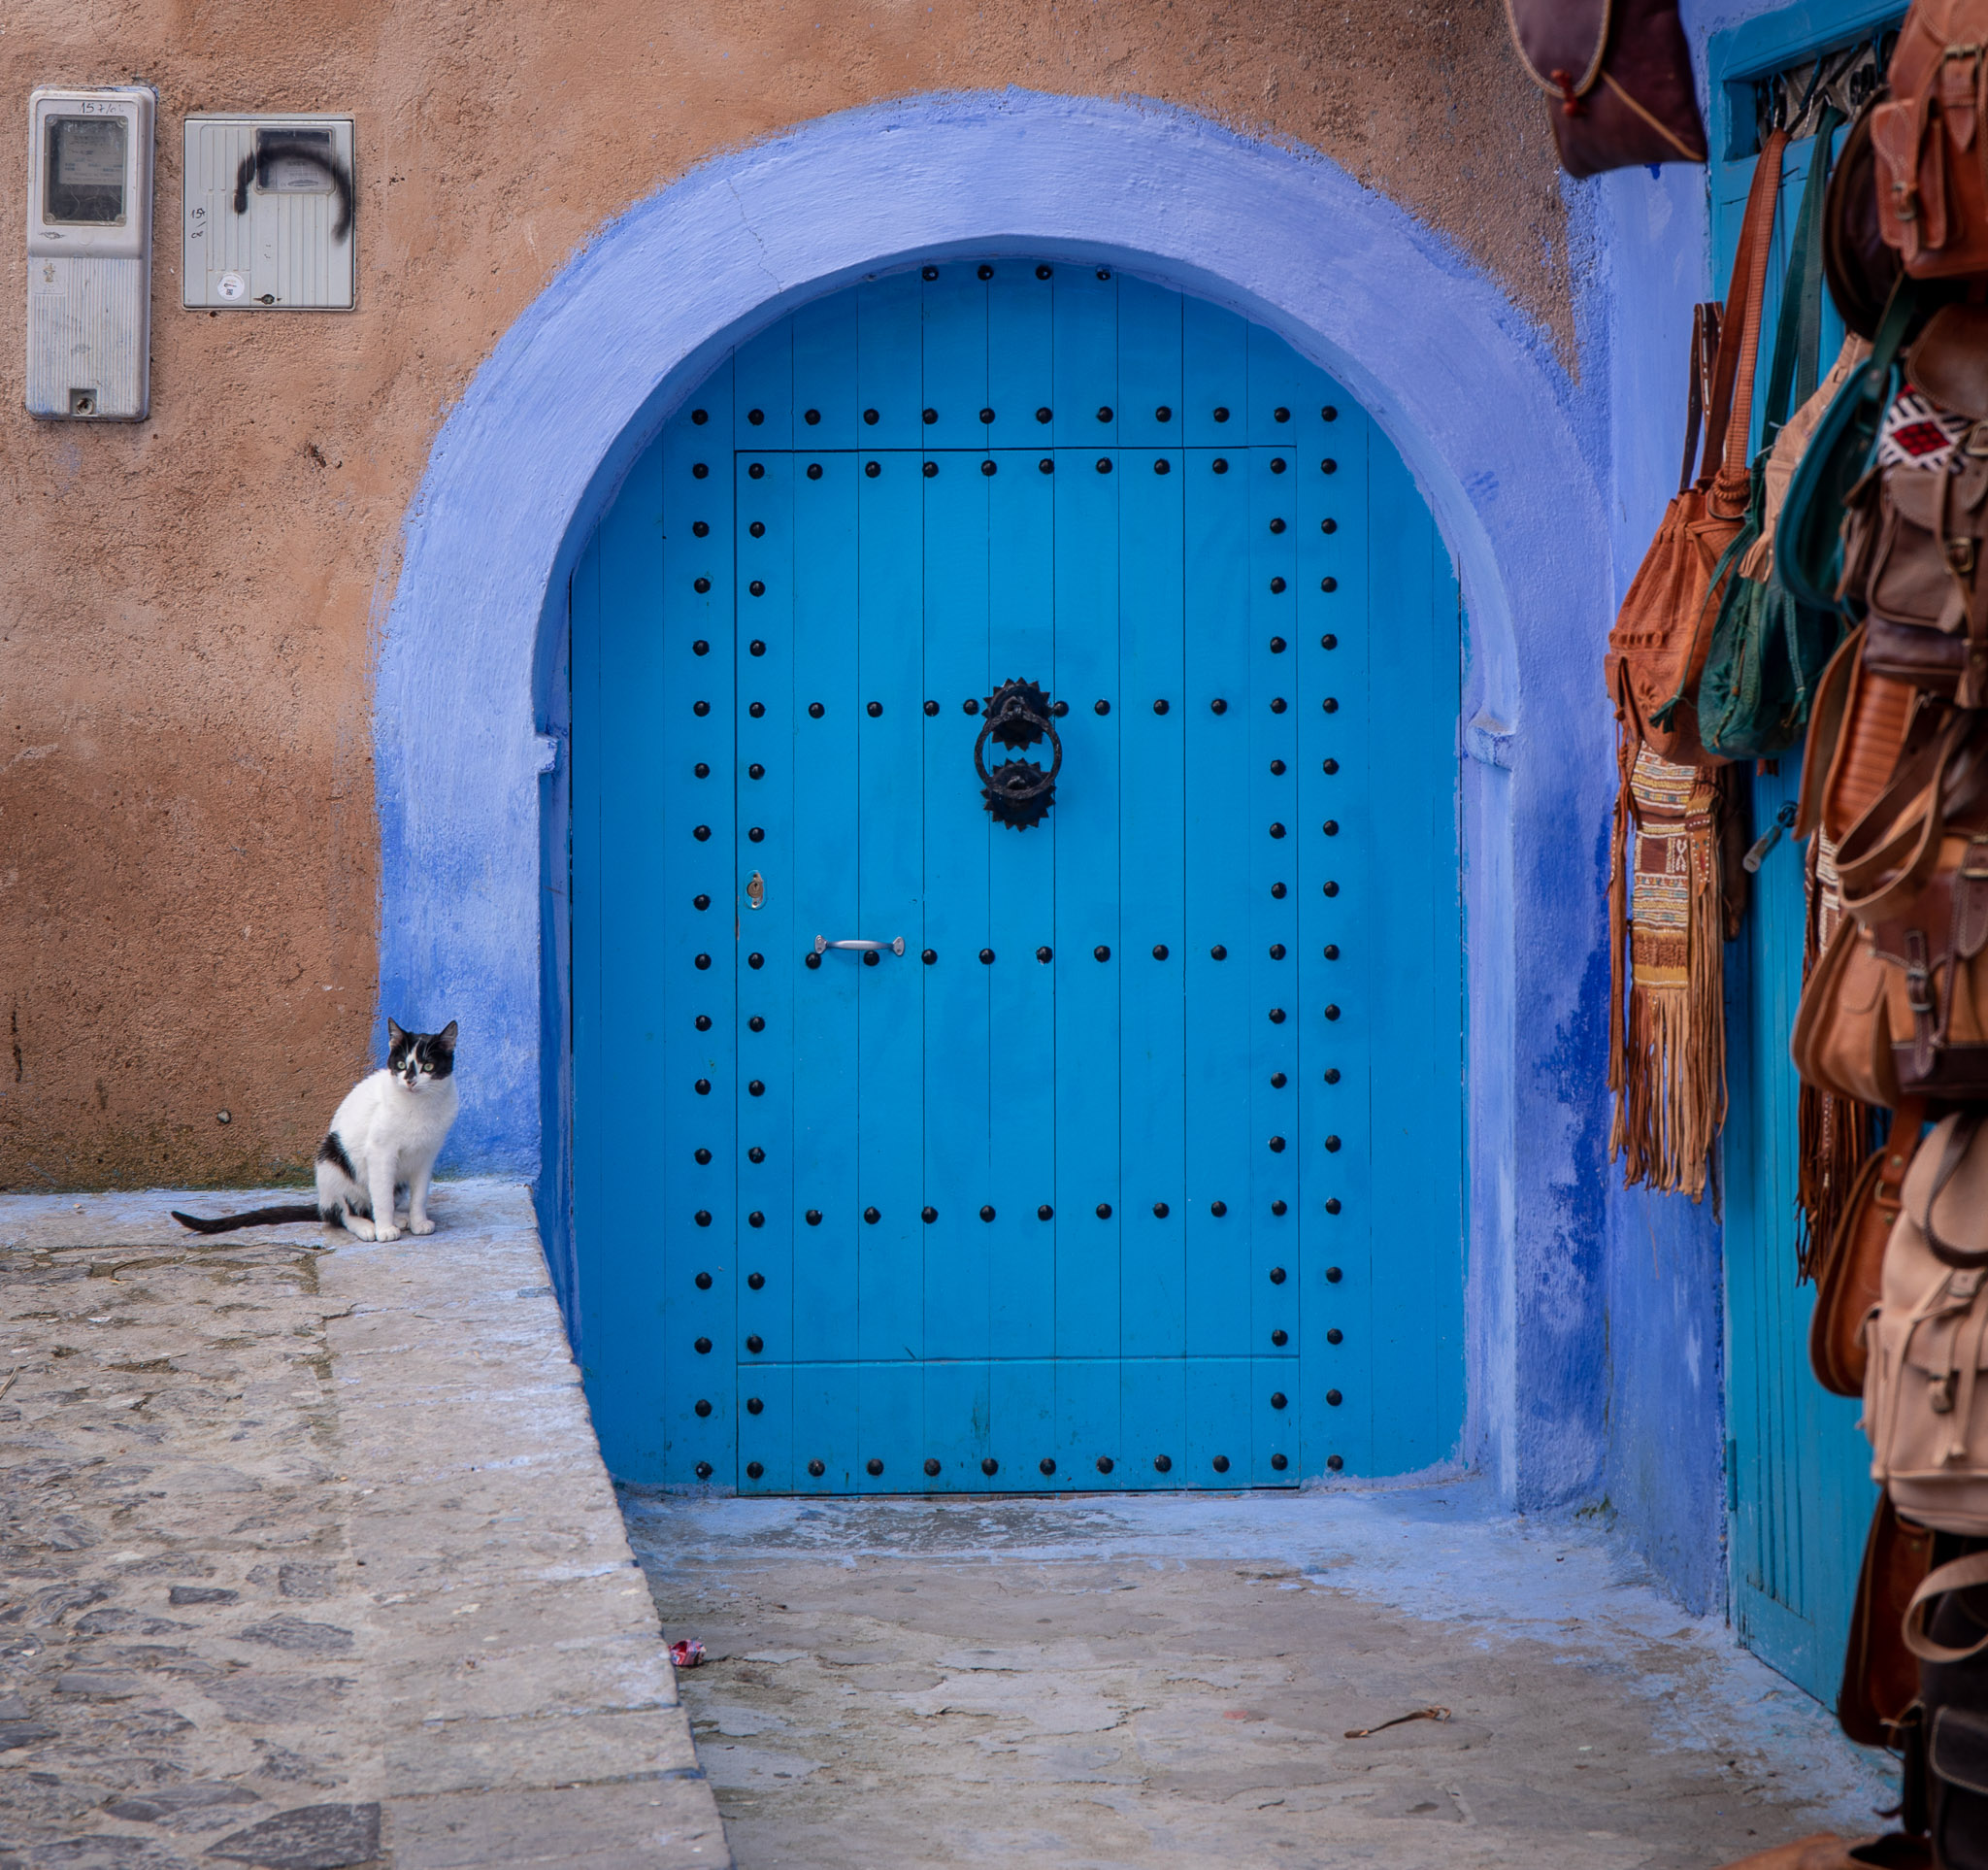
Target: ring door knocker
point(1018, 792)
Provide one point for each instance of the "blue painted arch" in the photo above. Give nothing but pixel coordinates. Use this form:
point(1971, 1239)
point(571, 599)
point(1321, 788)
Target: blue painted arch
point(1501, 439)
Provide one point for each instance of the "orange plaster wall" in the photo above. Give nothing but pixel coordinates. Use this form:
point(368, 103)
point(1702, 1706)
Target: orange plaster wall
point(188, 605)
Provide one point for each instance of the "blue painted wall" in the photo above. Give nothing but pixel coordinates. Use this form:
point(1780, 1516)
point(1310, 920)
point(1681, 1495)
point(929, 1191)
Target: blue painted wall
point(1595, 1320)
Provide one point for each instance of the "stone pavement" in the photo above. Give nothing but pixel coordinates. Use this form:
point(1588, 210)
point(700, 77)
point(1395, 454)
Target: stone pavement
point(307, 1561)
point(308, 1558)
point(1169, 1681)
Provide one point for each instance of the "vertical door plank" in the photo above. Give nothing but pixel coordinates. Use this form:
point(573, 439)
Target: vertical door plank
point(958, 1061)
point(1086, 340)
point(886, 813)
point(1346, 598)
point(888, 378)
point(955, 317)
point(826, 375)
point(1020, 920)
point(1276, 839)
point(763, 397)
point(1087, 1196)
point(1152, 1060)
point(1022, 380)
point(1148, 365)
point(763, 776)
point(667, 941)
point(1214, 375)
point(1216, 889)
point(825, 904)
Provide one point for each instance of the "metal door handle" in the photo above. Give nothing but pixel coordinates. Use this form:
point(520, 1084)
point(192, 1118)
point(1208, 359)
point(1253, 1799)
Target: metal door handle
point(822, 945)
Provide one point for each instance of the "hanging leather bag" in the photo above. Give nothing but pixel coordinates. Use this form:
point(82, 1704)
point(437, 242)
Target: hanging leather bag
point(1915, 526)
point(1881, 1674)
point(1857, 728)
point(1658, 646)
point(1929, 141)
point(1619, 72)
point(1861, 269)
point(1925, 1404)
point(1767, 648)
point(1946, 1627)
point(1850, 1269)
point(1842, 1042)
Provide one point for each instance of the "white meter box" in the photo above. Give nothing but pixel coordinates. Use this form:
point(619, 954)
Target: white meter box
point(90, 254)
point(270, 207)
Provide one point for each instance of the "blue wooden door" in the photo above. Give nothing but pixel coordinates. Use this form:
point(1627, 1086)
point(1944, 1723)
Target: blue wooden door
point(1799, 1486)
point(1140, 1164)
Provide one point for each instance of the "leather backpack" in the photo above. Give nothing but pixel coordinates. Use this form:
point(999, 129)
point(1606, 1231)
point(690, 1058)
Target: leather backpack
point(1915, 526)
point(1925, 1404)
point(1769, 648)
point(1946, 1762)
point(1619, 73)
point(1929, 141)
point(1657, 650)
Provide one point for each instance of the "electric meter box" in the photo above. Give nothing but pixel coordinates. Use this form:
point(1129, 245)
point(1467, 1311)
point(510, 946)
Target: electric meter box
point(268, 213)
point(90, 254)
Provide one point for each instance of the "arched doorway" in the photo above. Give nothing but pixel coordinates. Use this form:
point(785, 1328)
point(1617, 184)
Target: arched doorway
point(1134, 1156)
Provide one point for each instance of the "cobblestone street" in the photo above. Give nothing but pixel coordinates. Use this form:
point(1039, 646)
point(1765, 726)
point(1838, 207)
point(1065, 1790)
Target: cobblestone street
point(308, 1559)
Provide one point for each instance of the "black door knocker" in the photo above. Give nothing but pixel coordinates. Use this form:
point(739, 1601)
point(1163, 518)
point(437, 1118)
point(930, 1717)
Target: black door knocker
point(1018, 792)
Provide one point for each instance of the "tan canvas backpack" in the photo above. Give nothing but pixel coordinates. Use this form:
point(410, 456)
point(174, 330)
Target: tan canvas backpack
point(1925, 1403)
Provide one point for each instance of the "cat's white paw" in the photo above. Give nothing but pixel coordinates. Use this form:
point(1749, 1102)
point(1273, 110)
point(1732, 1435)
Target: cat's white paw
point(385, 1230)
point(421, 1226)
point(360, 1225)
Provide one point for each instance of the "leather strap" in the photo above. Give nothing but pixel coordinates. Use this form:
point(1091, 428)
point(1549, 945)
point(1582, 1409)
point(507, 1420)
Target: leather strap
point(1693, 408)
point(1740, 328)
point(1900, 1147)
point(1958, 1141)
point(1798, 331)
point(1890, 851)
point(1826, 716)
point(1961, 1574)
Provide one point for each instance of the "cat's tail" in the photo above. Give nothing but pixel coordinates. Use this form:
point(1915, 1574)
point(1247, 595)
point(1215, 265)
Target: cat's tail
point(254, 1217)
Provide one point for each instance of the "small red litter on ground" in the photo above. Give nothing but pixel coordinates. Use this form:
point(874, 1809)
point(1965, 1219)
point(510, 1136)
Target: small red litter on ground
point(687, 1653)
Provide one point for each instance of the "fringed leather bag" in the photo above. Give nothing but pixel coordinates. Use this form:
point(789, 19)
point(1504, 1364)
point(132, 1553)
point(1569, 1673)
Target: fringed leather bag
point(1667, 1028)
point(1620, 73)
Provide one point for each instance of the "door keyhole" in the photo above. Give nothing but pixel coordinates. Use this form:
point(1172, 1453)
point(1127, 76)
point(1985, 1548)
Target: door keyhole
point(755, 892)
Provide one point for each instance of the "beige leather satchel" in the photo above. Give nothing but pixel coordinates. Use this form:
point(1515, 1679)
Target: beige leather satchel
point(1925, 1404)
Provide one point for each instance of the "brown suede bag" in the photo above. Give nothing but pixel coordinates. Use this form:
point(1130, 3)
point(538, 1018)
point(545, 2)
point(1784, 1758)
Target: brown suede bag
point(1851, 1269)
point(1663, 632)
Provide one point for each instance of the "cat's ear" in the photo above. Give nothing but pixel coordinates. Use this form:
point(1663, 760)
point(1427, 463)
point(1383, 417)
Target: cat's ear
point(445, 1038)
point(394, 1035)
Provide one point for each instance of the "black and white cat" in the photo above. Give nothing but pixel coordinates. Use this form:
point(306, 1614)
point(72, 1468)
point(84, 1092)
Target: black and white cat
point(385, 1137)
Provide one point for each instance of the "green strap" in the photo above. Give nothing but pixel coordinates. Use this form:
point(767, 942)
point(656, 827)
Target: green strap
point(1798, 331)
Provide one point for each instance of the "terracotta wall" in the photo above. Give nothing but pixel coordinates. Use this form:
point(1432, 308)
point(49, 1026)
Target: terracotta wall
point(189, 606)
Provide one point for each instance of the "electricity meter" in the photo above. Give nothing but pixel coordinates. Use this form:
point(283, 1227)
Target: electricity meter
point(268, 213)
point(90, 254)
